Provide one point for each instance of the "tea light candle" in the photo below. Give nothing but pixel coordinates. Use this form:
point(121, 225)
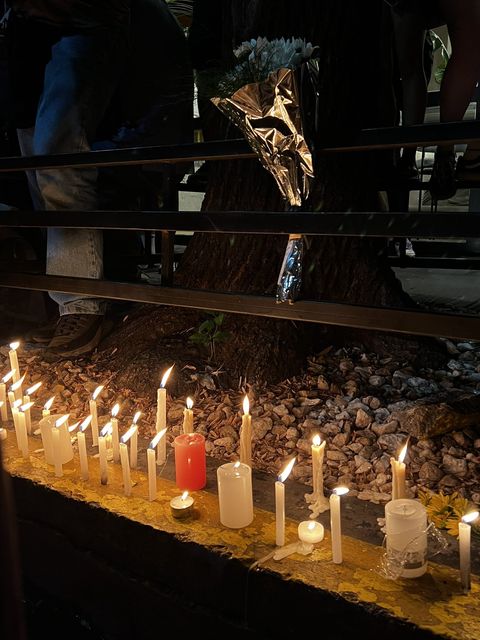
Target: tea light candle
point(280, 504)
point(235, 496)
point(398, 474)
point(311, 531)
point(47, 406)
point(82, 448)
point(94, 414)
point(161, 422)
point(464, 535)
point(336, 524)
point(188, 417)
point(12, 354)
point(182, 506)
point(102, 451)
point(3, 395)
point(134, 442)
point(246, 434)
point(151, 465)
point(406, 531)
point(127, 482)
point(190, 461)
point(115, 438)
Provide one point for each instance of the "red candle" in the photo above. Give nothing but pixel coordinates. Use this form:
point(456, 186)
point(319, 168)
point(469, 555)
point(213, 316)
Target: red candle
point(190, 461)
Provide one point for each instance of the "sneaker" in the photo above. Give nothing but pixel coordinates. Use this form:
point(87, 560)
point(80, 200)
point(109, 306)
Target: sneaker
point(442, 184)
point(75, 334)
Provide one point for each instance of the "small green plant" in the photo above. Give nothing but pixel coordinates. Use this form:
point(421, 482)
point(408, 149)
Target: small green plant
point(210, 333)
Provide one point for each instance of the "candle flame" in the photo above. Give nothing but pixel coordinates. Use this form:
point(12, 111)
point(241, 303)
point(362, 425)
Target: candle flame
point(27, 406)
point(184, 495)
point(16, 385)
point(62, 420)
point(189, 403)
point(73, 427)
point(165, 376)
point(403, 453)
point(237, 464)
point(157, 439)
point(128, 434)
point(1, 405)
point(14, 345)
point(316, 440)
point(9, 375)
point(286, 471)
point(107, 430)
point(48, 404)
point(470, 517)
point(85, 423)
point(136, 417)
point(33, 388)
point(17, 403)
point(311, 525)
point(246, 406)
point(341, 491)
point(97, 392)
point(115, 410)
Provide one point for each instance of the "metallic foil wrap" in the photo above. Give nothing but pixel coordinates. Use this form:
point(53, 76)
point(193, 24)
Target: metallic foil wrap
point(290, 279)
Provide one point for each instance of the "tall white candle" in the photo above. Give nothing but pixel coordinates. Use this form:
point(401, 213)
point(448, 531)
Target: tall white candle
point(25, 408)
point(318, 452)
point(406, 535)
point(127, 482)
point(26, 400)
point(235, 496)
point(12, 354)
point(94, 414)
point(464, 535)
point(21, 432)
point(188, 417)
point(16, 388)
point(398, 474)
point(151, 464)
point(3, 433)
point(57, 460)
point(134, 442)
point(115, 436)
point(82, 448)
point(47, 406)
point(15, 406)
point(161, 422)
point(336, 524)
point(3, 395)
point(246, 434)
point(102, 451)
point(280, 504)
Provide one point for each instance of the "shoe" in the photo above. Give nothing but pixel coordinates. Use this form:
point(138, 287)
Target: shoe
point(442, 184)
point(43, 334)
point(75, 334)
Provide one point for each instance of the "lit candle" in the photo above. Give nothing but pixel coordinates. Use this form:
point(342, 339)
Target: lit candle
point(82, 448)
point(280, 504)
point(102, 451)
point(188, 417)
point(61, 423)
point(93, 413)
point(47, 406)
point(134, 442)
point(16, 388)
point(3, 395)
point(181, 506)
point(21, 432)
point(25, 408)
point(235, 497)
point(406, 537)
point(26, 400)
point(336, 524)
point(161, 422)
point(464, 534)
point(190, 461)
point(311, 531)
point(16, 404)
point(127, 482)
point(246, 434)
point(318, 451)
point(12, 354)
point(115, 438)
point(47, 425)
point(398, 474)
point(3, 433)
point(151, 465)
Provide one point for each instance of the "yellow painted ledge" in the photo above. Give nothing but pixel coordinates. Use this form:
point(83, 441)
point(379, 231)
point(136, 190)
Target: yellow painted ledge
point(433, 602)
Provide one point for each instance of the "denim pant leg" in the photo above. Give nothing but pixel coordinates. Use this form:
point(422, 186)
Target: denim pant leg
point(79, 82)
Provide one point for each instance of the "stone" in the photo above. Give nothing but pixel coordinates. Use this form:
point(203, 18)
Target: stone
point(260, 427)
point(280, 410)
point(430, 471)
point(224, 442)
point(340, 440)
point(392, 442)
point(322, 383)
point(455, 466)
point(376, 381)
point(387, 427)
point(292, 433)
point(332, 454)
point(362, 419)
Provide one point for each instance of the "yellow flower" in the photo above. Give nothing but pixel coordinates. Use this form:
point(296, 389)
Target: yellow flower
point(445, 511)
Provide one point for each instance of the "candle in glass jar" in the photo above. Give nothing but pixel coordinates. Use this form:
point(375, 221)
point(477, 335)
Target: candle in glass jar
point(336, 524)
point(280, 504)
point(94, 414)
point(103, 438)
point(151, 465)
point(464, 536)
point(246, 434)
point(190, 461)
point(398, 474)
point(406, 536)
point(161, 422)
point(13, 356)
point(188, 417)
point(235, 496)
point(82, 448)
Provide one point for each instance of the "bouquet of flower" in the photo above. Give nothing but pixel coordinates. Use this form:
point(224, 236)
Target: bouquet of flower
point(261, 95)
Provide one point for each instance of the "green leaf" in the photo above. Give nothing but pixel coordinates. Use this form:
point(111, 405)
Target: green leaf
point(219, 319)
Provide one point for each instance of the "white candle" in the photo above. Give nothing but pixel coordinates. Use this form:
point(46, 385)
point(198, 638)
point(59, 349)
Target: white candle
point(60, 424)
point(115, 437)
point(188, 417)
point(406, 535)
point(21, 433)
point(93, 413)
point(127, 483)
point(3, 433)
point(464, 535)
point(280, 504)
point(134, 442)
point(246, 434)
point(47, 424)
point(336, 524)
point(26, 400)
point(102, 452)
point(3, 395)
point(181, 506)
point(151, 465)
point(15, 406)
point(235, 496)
point(82, 448)
point(311, 531)
point(47, 406)
point(16, 388)
point(398, 474)
point(318, 451)
point(12, 354)
point(161, 422)
point(25, 408)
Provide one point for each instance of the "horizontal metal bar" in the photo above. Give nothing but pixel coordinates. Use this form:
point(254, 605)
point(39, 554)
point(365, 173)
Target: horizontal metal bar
point(381, 225)
point(383, 319)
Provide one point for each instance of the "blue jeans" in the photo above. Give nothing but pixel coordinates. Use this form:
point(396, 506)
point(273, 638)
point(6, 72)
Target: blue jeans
point(79, 83)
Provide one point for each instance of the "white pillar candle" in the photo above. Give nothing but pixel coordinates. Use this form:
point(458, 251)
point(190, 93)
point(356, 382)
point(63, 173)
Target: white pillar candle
point(47, 424)
point(161, 422)
point(235, 496)
point(12, 354)
point(82, 448)
point(336, 524)
point(115, 436)
point(21, 433)
point(280, 504)
point(311, 531)
point(127, 483)
point(246, 434)
point(188, 417)
point(151, 464)
point(102, 452)
point(94, 414)
point(398, 474)
point(406, 531)
point(318, 452)
point(464, 535)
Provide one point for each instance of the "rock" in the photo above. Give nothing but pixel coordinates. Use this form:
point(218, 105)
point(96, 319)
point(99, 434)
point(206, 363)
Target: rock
point(331, 428)
point(302, 471)
point(260, 427)
point(430, 471)
point(304, 445)
point(364, 468)
point(332, 454)
point(382, 464)
point(292, 433)
point(279, 430)
point(387, 427)
point(280, 410)
point(322, 383)
point(448, 481)
point(455, 466)
point(224, 442)
point(376, 381)
point(340, 440)
point(392, 442)
point(362, 419)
